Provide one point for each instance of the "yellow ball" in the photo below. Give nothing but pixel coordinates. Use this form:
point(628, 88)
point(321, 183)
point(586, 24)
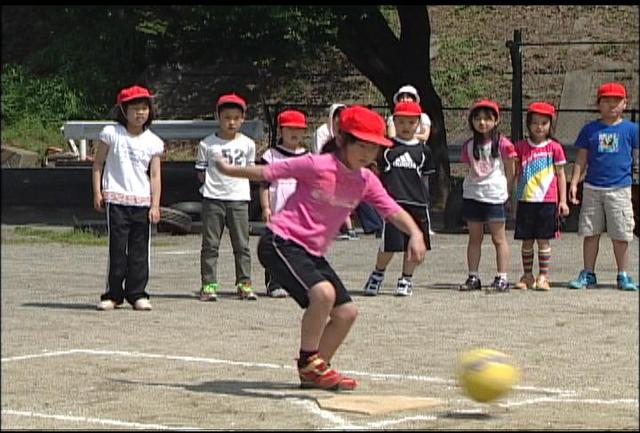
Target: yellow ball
point(486, 374)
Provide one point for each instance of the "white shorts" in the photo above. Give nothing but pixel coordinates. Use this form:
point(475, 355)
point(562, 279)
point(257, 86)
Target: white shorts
point(607, 210)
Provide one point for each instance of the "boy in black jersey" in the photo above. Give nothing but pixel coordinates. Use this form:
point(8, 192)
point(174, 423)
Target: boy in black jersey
point(401, 169)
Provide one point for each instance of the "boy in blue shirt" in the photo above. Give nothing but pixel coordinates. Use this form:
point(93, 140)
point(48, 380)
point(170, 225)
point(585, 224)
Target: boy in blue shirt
point(609, 148)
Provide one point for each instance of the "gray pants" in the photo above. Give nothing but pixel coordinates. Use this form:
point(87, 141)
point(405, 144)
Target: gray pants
point(216, 214)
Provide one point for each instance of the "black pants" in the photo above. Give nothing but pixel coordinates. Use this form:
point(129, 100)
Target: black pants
point(128, 271)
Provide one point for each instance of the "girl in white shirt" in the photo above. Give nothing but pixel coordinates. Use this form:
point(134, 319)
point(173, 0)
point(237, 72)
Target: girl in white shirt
point(485, 191)
point(126, 153)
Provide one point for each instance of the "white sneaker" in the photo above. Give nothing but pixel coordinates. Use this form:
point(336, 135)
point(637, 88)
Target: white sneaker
point(142, 304)
point(404, 287)
point(278, 293)
point(106, 305)
point(372, 287)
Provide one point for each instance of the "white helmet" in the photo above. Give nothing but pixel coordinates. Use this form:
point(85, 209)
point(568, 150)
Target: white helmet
point(406, 89)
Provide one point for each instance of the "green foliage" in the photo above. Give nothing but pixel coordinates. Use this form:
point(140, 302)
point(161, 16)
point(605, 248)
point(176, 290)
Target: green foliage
point(459, 82)
point(49, 99)
point(33, 109)
point(31, 134)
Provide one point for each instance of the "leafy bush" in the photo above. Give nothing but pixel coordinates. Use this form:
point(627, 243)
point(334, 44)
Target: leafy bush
point(49, 99)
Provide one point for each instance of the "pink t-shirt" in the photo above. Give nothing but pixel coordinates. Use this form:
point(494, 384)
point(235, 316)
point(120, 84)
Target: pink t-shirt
point(326, 193)
point(537, 181)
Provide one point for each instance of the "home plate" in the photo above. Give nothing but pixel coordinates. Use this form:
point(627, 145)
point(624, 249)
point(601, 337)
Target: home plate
point(376, 404)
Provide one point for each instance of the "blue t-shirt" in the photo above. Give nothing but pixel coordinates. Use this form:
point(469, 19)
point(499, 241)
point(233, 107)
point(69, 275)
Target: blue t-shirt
point(609, 152)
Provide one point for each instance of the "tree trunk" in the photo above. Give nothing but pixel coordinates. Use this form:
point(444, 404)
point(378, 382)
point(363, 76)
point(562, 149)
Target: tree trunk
point(366, 39)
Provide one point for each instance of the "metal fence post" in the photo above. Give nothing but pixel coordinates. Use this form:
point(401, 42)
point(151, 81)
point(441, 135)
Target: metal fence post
point(516, 85)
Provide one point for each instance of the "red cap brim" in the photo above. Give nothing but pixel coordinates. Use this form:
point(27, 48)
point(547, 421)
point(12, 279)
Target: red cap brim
point(372, 138)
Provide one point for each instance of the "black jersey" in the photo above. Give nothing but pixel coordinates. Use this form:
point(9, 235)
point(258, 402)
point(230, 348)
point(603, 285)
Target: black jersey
point(401, 169)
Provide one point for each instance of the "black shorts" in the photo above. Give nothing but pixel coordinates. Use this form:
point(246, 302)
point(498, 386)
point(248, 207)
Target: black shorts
point(296, 270)
point(394, 240)
point(536, 221)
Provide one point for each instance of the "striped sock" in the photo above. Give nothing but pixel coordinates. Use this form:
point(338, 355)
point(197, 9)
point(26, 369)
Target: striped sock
point(544, 260)
point(527, 261)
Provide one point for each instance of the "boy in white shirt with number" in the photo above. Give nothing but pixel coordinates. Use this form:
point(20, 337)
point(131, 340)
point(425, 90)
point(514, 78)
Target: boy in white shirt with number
point(225, 200)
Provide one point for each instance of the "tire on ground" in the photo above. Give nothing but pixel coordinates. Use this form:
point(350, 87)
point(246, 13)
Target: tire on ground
point(174, 221)
point(192, 208)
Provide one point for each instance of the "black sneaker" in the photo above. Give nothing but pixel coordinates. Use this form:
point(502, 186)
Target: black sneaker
point(499, 285)
point(472, 283)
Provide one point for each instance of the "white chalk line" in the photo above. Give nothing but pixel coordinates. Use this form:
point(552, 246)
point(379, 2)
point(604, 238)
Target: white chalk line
point(374, 376)
point(177, 253)
point(103, 421)
point(562, 395)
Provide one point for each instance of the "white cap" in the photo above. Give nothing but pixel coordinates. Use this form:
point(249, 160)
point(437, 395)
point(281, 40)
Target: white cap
point(406, 89)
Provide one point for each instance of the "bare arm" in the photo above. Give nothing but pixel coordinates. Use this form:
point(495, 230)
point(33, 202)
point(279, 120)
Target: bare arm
point(156, 187)
point(510, 172)
point(391, 128)
point(96, 175)
point(264, 203)
point(423, 133)
point(578, 168)
point(563, 208)
point(635, 169)
point(254, 172)
point(416, 247)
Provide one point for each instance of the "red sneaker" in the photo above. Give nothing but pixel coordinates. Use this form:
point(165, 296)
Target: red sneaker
point(316, 374)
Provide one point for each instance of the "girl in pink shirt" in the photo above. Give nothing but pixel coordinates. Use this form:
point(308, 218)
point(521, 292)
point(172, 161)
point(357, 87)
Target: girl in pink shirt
point(329, 187)
point(541, 193)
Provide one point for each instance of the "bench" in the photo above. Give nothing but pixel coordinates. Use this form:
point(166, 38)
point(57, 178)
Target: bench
point(196, 129)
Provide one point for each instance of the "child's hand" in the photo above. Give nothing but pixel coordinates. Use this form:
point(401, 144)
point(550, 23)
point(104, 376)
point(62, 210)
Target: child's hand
point(154, 215)
point(416, 249)
point(98, 202)
point(563, 209)
point(221, 163)
point(266, 215)
point(573, 194)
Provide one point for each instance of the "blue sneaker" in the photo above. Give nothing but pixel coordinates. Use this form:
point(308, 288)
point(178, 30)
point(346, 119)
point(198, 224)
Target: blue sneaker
point(625, 282)
point(585, 279)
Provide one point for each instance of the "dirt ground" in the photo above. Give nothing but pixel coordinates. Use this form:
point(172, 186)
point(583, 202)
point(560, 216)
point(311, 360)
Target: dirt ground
point(230, 364)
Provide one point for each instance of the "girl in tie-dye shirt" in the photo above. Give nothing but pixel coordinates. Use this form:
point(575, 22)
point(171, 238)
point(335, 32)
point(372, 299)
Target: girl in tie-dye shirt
point(541, 193)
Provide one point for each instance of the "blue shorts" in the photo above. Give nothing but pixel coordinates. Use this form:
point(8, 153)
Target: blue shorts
point(480, 212)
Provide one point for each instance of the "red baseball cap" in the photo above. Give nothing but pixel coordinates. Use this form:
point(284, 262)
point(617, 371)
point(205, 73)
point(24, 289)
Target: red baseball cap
point(612, 89)
point(542, 108)
point(487, 103)
point(292, 119)
point(407, 108)
point(133, 92)
point(232, 98)
point(364, 124)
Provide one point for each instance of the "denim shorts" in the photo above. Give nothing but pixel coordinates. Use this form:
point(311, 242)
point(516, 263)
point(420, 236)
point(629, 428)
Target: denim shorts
point(480, 212)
